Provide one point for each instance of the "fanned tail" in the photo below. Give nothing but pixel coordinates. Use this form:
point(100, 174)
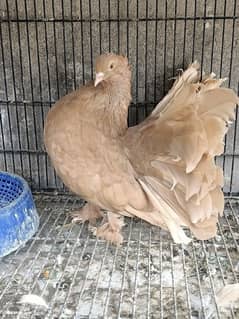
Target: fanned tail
point(180, 139)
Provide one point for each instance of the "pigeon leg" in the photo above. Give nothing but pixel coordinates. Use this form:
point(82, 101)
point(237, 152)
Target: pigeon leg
point(89, 212)
point(110, 231)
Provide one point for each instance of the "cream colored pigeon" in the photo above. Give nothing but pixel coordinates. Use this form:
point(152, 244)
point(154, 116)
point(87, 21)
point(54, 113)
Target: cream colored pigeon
point(161, 170)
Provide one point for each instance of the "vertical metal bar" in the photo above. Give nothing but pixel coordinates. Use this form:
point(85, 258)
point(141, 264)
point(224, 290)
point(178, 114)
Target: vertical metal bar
point(234, 146)
point(220, 268)
point(174, 35)
point(213, 34)
point(31, 81)
point(129, 120)
point(210, 279)
point(118, 25)
point(136, 272)
point(55, 47)
point(40, 90)
point(234, 213)
point(234, 239)
point(73, 45)
point(146, 62)
point(199, 282)
point(173, 283)
point(109, 25)
point(155, 50)
point(100, 29)
point(229, 84)
point(91, 45)
point(232, 41)
point(149, 277)
point(203, 35)
point(165, 46)
point(56, 68)
point(22, 86)
point(186, 284)
point(3, 141)
point(86, 241)
point(105, 313)
point(57, 84)
point(48, 79)
point(82, 44)
point(194, 28)
point(220, 72)
point(127, 41)
point(137, 62)
point(161, 271)
point(223, 36)
point(227, 253)
point(64, 44)
point(14, 85)
point(184, 32)
point(97, 279)
point(125, 270)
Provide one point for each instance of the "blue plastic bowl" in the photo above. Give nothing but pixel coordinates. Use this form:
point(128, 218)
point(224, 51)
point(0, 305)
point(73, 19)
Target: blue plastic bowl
point(18, 215)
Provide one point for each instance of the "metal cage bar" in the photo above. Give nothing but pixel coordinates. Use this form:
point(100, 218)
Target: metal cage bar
point(48, 48)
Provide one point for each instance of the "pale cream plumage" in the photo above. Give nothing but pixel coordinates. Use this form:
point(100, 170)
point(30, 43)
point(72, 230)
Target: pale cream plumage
point(161, 170)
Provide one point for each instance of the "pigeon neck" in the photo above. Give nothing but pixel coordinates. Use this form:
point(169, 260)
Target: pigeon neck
point(119, 95)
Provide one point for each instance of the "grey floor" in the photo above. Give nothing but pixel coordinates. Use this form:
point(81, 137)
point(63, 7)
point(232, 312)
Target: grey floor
point(148, 277)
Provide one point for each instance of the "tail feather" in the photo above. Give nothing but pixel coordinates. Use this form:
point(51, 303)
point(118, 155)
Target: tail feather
point(190, 124)
point(219, 102)
point(171, 219)
point(174, 211)
point(191, 75)
point(199, 126)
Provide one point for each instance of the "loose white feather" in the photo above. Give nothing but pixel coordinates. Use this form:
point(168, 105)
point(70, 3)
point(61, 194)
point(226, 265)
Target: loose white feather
point(33, 300)
point(228, 295)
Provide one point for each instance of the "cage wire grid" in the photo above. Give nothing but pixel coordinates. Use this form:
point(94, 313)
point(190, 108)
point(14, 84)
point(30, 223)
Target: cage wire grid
point(79, 276)
point(47, 49)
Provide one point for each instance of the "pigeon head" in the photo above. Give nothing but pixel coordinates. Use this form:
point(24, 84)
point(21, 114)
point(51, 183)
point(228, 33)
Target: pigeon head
point(109, 66)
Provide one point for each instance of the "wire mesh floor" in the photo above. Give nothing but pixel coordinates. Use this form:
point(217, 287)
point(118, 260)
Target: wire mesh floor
point(148, 277)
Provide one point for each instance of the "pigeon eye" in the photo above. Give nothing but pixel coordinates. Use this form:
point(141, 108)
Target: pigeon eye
point(111, 66)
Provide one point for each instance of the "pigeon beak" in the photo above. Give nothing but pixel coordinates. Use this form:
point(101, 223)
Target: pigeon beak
point(99, 77)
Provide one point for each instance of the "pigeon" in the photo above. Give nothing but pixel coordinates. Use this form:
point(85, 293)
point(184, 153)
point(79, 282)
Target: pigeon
point(162, 170)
